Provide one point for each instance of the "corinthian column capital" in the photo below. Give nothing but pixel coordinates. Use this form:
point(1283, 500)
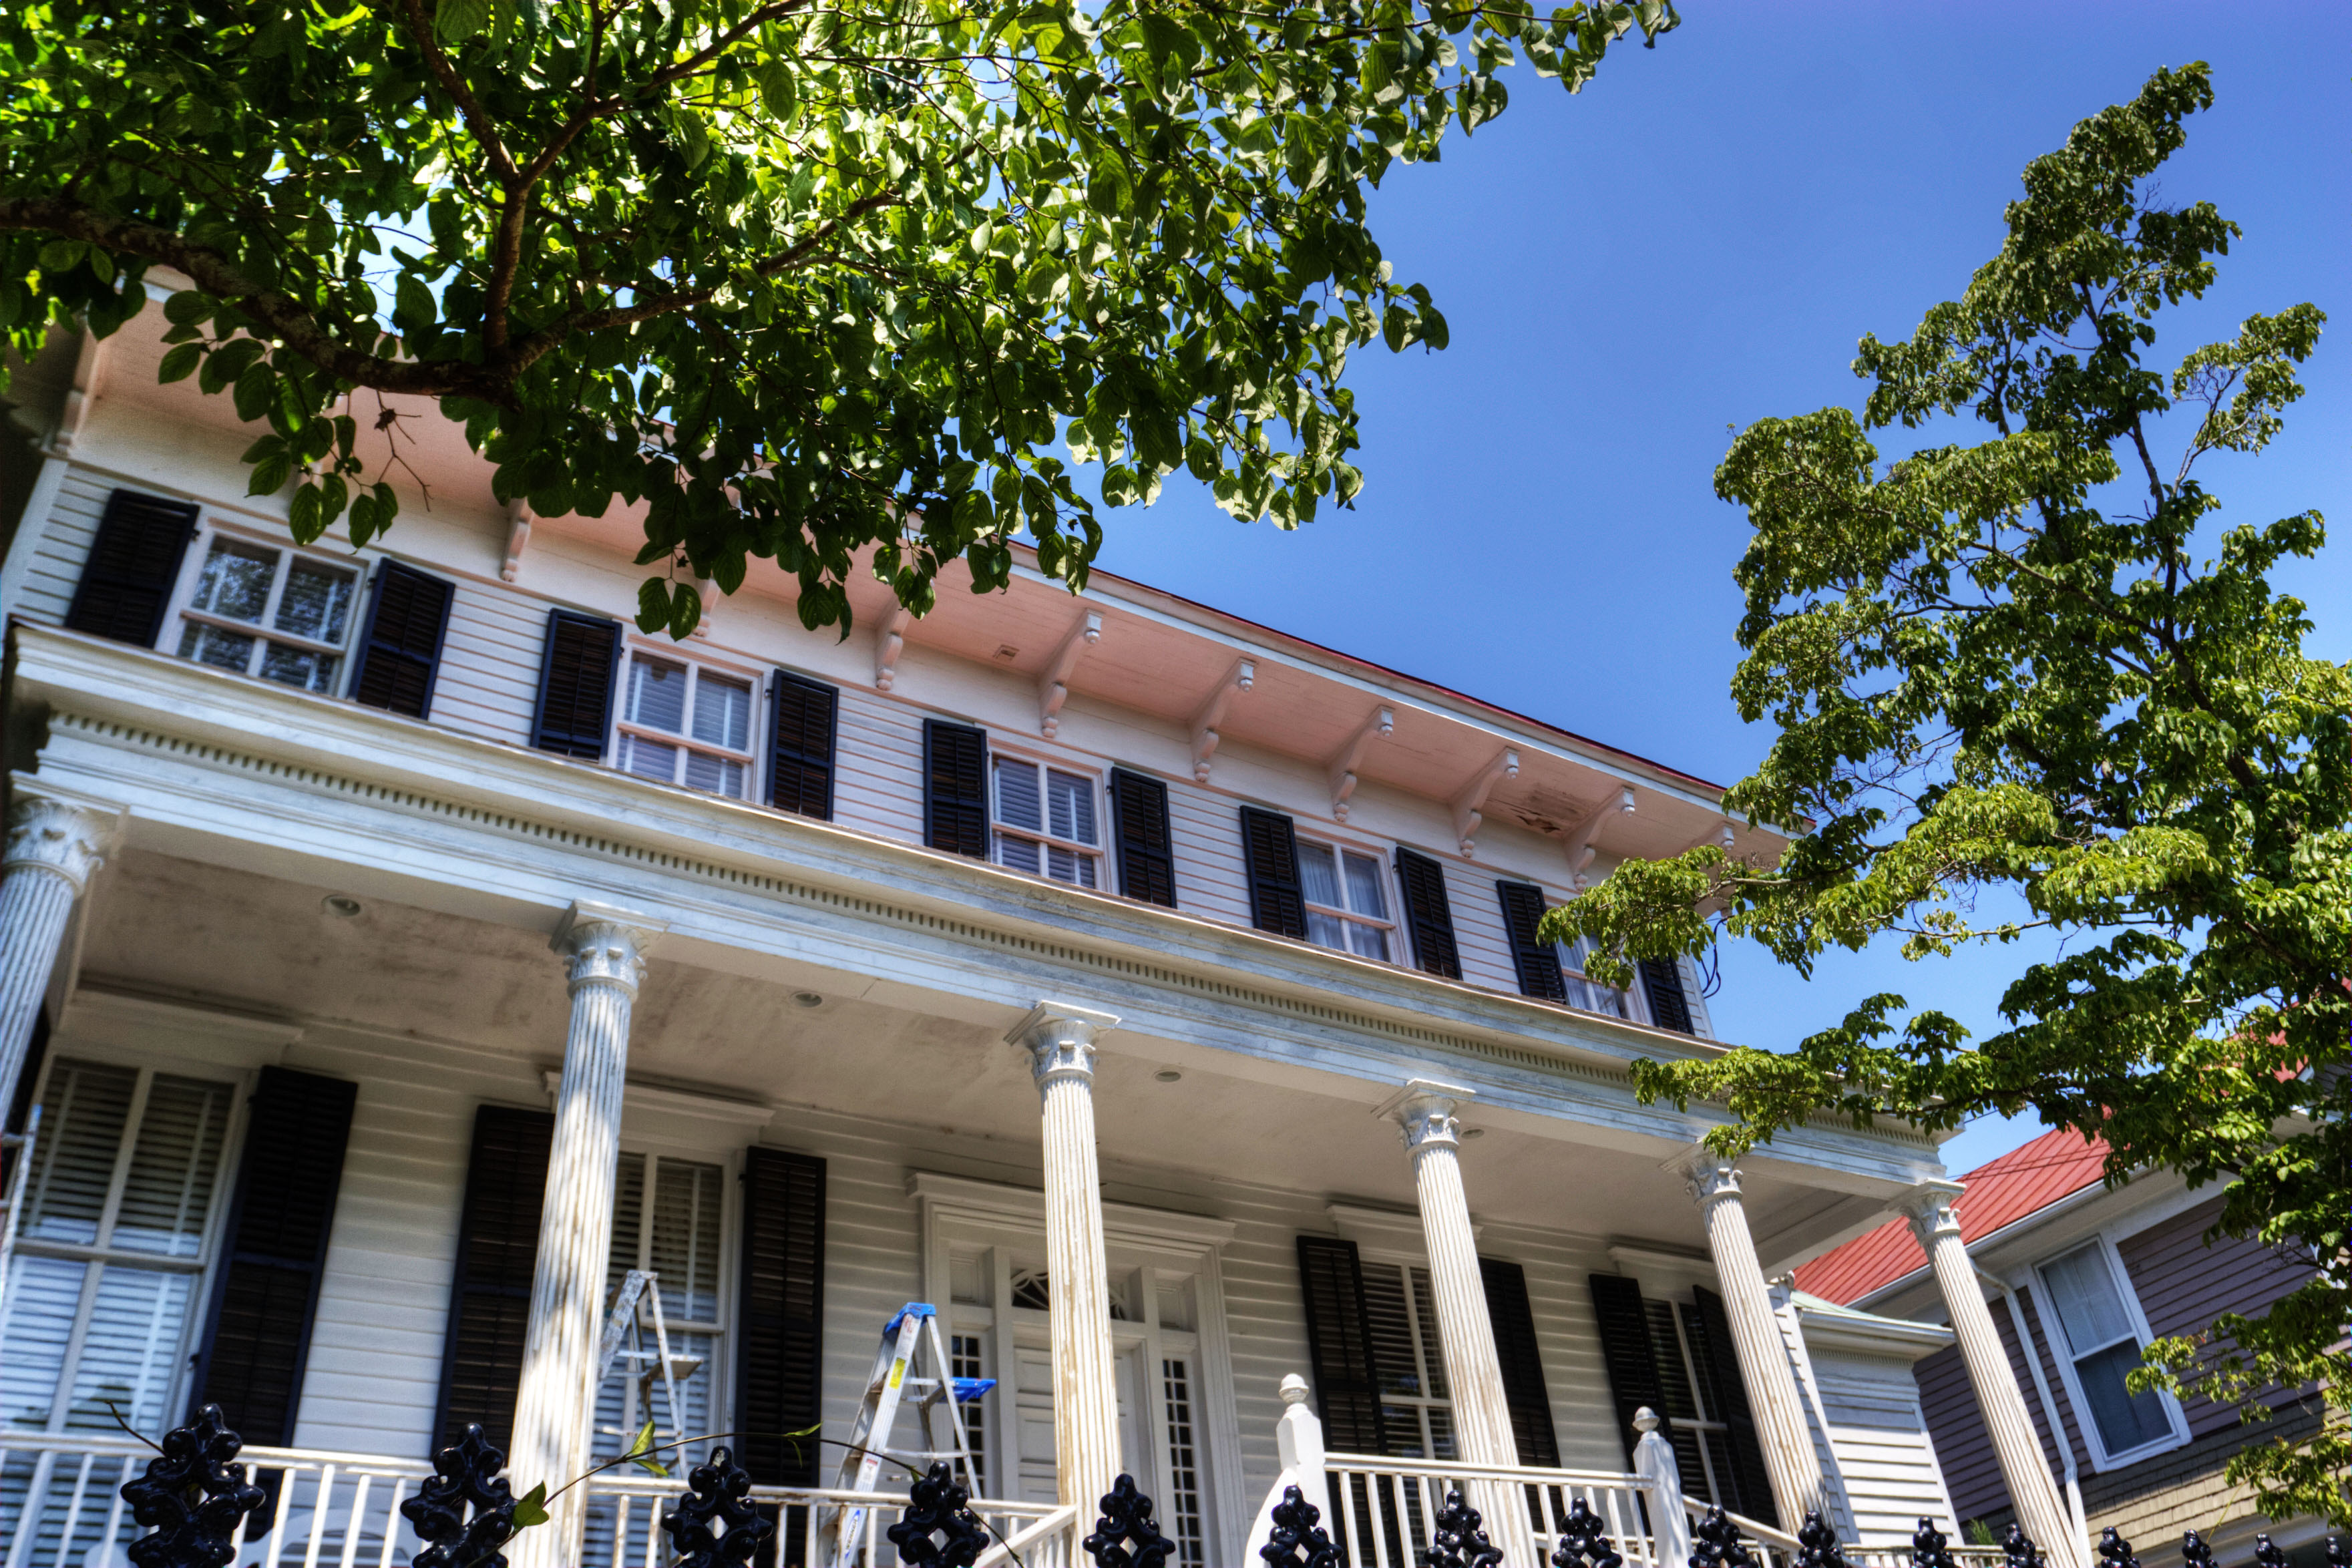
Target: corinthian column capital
point(1710, 1177)
point(1428, 1113)
point(602, 945)
point(59, 830)
point(1929, 1207)
point(1060, 1039)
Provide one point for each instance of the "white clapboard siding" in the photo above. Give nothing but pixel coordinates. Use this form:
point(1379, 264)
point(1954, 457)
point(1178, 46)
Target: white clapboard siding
point(877, 779)
point(1204, 831)
point(61, 547)
point(491, 658)
point(1883, 1451)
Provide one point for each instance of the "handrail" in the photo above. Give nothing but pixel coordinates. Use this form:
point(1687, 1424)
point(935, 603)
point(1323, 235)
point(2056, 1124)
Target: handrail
point(1769, 1534)
point(1063, 1518)
point(1459, 1470)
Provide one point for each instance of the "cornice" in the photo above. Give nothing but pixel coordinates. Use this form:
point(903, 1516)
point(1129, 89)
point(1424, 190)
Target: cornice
point(223, 741)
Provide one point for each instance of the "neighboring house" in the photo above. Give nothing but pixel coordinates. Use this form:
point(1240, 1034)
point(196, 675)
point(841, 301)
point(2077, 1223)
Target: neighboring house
point(398, 949)
point(2093, 1273)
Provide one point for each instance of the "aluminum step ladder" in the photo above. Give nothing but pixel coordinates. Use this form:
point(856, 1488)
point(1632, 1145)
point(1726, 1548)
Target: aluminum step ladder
point(912, 1331)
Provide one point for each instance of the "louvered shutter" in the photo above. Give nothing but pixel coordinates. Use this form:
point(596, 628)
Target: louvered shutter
point(400, 652)
point(576, 685)
point(1147, 859)
point(1270, 852)
point(1429, 913)
point(1339, 1345)
point(780, 1337)
point(955, 788)
point(799, 767)
point(497, 1251)
point(1537, 960)
point(20, 1106)
point(257, 1335)
point(1524, 1391)
point(1626, 1352)
point(1727, 1398)
point(134, 565)
point(1662, 983)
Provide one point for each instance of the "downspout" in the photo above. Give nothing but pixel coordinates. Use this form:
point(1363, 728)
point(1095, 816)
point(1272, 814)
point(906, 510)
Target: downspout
point(2042, 1397)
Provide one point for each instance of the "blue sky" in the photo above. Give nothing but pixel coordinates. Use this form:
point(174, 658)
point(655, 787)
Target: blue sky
point(1697, 241)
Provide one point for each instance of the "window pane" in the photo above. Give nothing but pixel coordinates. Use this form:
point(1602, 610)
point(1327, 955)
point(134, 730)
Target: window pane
point(1441, 1431)
point(1018, 854)
point(628, 1221)
point(722, 713)
point(298, 666)
point(1384, 1304)
point(1584, 994)
point(1072, 801)
point(1318, 877)
point(1425, 1309)
point(2126, 1419)
point(168, 1195)
point(44, 1295)
point(704, 771)
point(1364, 895)
point(236, 580)
point(222, 650)
point(657, 694)
point(317, 602)
point(1368, 942)
point(649, 759)
point(1184, 1502)
point(83, 1114)
point(1327, 931)
point(132, 1350)
point(1069, 865)
point(1673, 1377)
point(2088, 1303)
point(1016, 796)
point(685, 1240)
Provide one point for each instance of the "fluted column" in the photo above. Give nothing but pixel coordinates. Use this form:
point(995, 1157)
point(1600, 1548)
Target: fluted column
point(1790, 1458)
point(603, 952)
point(1060, 1040)
point(57, 841)
point(1427, 1113)
point(2041, 1512)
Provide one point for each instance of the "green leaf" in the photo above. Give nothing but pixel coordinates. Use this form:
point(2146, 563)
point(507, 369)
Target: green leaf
point(685, 615)
point(530, 1509)
point(268, 476)
point(459, 20)
point(180, 363)
point(188, 308)
point(641, 1450)
point(62, 254)
point(255, 389)
point(653, 605)
point(302, 515)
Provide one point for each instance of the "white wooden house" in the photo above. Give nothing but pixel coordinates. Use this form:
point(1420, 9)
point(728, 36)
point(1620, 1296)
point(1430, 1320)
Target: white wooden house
point(396, 947)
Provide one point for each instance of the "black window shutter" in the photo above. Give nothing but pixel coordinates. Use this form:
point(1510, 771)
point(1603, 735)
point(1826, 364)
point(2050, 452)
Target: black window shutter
point(1339, 1345)
point(1429, 913)
point(1727, 1398)
point(258, 1329)
point(955, 788)
point(1537, 960)
point(1147, 859)
point(781, 1333)
point(1270, 849)
point(1626, 1352)
point(400, 652)
point(134, 565)
point(20, 1107)
point(800, 768)
point(1523, 1391)
point(1661, 983)
point(497, 1251)
point(576, 685)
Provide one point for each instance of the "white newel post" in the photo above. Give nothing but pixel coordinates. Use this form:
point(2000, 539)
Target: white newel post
point(1789, 1458)
point(1060, 1040)
point(1299, 1449)
point(57, 840)
point(603, 950)
point(2041, 1512)
point(1426, 1112)
point(1662, 1487)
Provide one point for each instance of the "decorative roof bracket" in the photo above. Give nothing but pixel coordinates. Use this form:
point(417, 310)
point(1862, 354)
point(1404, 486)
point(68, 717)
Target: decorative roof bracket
point(1382, 724)
point(1053, 686)
point(1582, 847)
point(888, 644)
point(519, 521)
point(1470, 804)
point(1241, 677)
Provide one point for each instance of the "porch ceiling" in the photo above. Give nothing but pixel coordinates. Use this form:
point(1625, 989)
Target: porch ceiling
point(184, 931)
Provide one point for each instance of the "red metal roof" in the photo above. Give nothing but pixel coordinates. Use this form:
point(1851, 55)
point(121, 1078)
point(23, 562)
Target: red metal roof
point(2026, 1179)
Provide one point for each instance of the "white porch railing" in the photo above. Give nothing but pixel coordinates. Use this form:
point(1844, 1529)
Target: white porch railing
point(1393, 1505)
point(61, 1507)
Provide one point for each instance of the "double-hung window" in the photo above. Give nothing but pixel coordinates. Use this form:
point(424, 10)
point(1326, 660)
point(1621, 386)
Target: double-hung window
point(2102, 1345)
point(1347, 900)
point(262, 609)
point(1589, 994)
point(1046, 821)
point(684, 722)
point(1417, 1406)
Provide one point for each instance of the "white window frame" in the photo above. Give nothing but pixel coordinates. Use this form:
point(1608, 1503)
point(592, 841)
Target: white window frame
point(1146, 1249)
point(1393, 926)
point(697, 664)
point(1636, 1009)
point(2061, 1351)
point(181, 611)
point(721, 1332)
point(1405, 1264)
point(1099, 853)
